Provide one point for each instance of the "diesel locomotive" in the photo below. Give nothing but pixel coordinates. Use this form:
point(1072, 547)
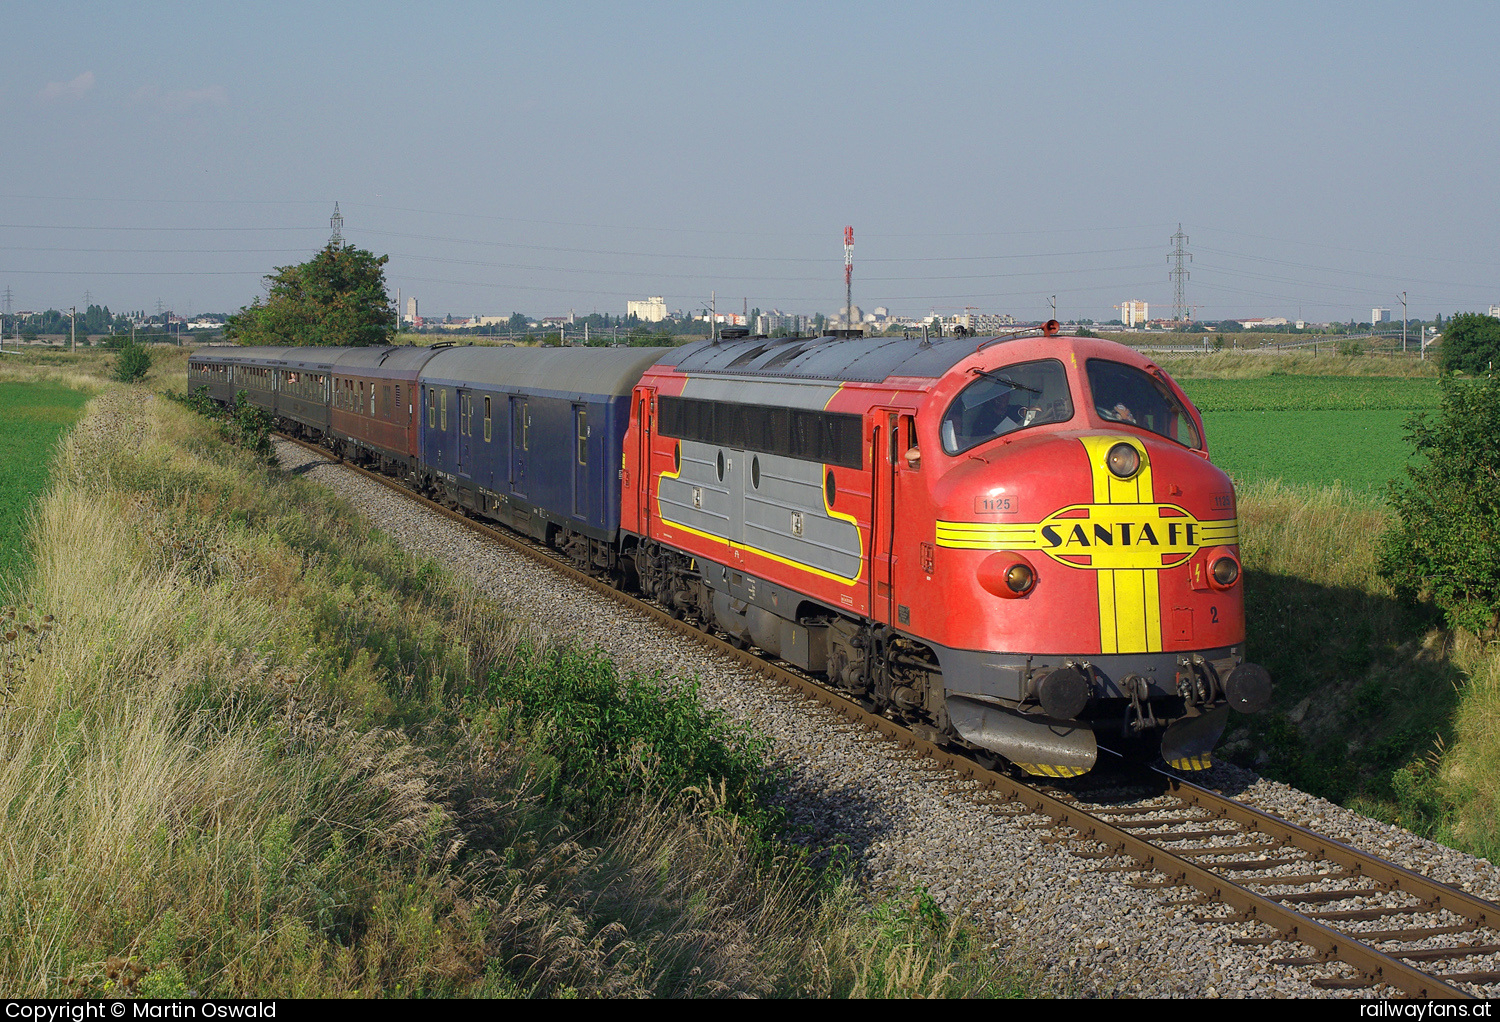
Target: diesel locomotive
point(1014, 544)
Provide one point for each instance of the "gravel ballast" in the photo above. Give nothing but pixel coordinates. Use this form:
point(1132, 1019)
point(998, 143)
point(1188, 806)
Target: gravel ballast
point(1089, 933)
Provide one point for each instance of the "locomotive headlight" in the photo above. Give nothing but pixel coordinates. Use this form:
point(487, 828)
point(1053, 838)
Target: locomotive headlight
point(1007, 575)
point(1123, 460)
point(1223, 568)
point(1019, 578)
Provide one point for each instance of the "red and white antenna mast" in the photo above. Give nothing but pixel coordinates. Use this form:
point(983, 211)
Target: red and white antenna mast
point(849, 277)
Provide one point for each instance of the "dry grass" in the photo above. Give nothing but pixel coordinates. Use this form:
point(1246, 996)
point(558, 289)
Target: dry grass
point(236, 765)
point(1328, 535)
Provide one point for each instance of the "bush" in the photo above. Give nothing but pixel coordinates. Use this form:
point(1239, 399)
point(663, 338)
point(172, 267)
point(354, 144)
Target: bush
point(133, 364)
point(244, 425)
point(1471, 343)
point(1446, 542)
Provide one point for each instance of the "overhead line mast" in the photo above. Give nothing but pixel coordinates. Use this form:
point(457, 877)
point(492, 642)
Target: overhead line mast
point(1180, 311)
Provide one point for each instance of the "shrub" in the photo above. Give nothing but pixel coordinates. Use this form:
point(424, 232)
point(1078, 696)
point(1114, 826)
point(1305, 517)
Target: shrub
point(244, 425)
point(1471, 343)
point(133, 363)
point(1446, 541)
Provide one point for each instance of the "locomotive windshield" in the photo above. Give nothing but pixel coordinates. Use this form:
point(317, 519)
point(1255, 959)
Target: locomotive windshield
point(1125, 394)
point(1004, 400)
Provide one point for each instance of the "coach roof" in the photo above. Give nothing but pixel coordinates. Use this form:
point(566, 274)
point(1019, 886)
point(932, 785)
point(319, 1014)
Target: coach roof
point(600, 371)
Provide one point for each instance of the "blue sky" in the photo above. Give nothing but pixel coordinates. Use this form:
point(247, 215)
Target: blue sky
point(1322, 158)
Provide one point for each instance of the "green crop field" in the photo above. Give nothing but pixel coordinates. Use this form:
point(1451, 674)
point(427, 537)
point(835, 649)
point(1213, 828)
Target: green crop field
point(1313, 394)
point(32, 417)
point(1311, 429)
point(1362, 450)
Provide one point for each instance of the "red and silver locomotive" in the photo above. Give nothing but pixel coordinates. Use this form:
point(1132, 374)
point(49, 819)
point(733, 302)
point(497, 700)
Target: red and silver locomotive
point(1017, 543)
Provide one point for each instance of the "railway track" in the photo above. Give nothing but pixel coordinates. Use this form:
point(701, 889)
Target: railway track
point(1393, 929)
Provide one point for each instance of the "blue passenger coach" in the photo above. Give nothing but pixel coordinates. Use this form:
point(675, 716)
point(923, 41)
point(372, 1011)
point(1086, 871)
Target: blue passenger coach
point(532, 437)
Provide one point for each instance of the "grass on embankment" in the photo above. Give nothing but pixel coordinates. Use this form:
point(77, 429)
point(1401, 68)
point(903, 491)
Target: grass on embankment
point(262, 751)
point(1377, 705)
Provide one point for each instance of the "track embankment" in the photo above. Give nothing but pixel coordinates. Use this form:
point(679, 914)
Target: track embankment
point(1096, 923)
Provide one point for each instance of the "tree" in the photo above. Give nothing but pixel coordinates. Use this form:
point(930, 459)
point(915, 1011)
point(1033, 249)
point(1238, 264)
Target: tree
point(1471, 343)
point(1446, 540)
point(337, 297)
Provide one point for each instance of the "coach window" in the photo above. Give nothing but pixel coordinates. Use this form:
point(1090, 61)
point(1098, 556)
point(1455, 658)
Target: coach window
point(431, 408)
point(486, 418)
point(583, 436)
point(443, 408)
point(1001, 401)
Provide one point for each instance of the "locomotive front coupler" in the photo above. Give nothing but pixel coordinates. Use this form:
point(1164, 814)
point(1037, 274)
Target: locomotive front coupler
point(1140, 717)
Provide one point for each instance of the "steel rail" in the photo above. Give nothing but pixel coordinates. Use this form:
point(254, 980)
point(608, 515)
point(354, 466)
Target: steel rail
point(1377, 967)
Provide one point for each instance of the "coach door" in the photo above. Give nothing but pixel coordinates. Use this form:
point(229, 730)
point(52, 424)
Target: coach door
point(465, 433)
point(641, 483)
point(520, 442)
point(884, 458)
point(581, 462)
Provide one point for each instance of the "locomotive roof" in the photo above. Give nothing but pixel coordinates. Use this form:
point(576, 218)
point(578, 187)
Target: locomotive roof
point(611, 371)
point(850, 359)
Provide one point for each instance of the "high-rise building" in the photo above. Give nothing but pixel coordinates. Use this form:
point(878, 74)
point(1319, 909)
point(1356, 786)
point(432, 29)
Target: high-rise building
point(1380, 316)
point(411, 310)
point(1133, 313)
point(652, 310)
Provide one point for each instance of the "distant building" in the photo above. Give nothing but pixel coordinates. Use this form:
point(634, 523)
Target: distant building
point(1495, 311)
point(1134, 313)
point(725, 318)
point(984, 322)
point(848, 316)
point(411, 311)
point(769, 323)
point(1380, 316)
point(652, 310)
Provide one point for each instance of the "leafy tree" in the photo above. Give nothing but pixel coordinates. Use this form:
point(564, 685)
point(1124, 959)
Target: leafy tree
point(518, 321)
point(337, 297)
point(1446, 542)
point(1471, 343)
